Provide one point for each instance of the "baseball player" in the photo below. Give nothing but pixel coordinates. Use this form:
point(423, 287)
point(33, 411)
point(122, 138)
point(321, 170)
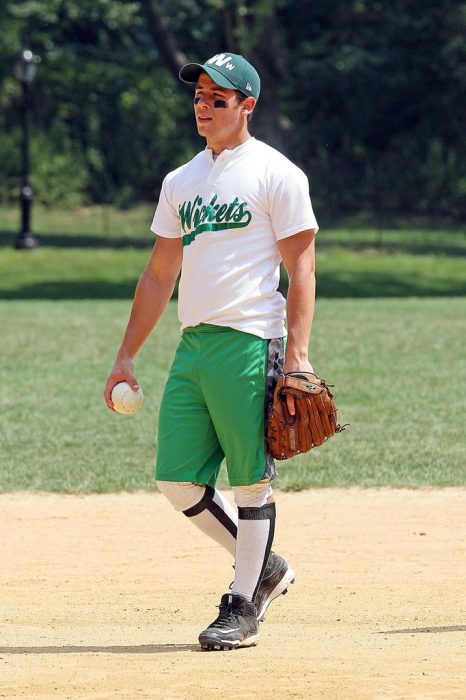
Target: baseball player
point(226, 219)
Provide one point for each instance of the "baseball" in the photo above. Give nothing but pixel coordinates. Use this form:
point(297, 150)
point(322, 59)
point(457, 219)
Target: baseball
point(125, 400)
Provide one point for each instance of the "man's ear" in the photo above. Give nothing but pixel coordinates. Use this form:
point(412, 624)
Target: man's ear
point(248, 105)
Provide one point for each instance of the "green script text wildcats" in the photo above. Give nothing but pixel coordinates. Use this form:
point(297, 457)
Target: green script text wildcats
point(197, 217)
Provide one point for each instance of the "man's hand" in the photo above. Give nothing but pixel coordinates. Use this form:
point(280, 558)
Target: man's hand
point(153, 292)
point(314, 421)
point(292, 367)
point(298, 255)
point(122, 372)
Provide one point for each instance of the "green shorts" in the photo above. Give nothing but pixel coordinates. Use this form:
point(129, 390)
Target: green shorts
point(214, 407)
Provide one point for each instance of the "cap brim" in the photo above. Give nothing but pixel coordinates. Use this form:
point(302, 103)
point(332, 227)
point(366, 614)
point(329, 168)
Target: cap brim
point(191, 71)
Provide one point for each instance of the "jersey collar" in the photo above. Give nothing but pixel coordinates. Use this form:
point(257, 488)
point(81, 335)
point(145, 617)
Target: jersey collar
point(228, 152)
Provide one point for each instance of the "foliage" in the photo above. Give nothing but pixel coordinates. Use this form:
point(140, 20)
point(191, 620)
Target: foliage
point(97, 87)
point(385, 120)
point(368, 97)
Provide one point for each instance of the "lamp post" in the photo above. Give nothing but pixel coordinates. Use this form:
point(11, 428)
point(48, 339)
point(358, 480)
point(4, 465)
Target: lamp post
point(24, 70)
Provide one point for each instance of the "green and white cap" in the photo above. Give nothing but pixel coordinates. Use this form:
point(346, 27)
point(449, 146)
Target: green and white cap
point(229, 70)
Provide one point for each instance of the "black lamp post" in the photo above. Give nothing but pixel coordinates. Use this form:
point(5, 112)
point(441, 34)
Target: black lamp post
point(24, 70)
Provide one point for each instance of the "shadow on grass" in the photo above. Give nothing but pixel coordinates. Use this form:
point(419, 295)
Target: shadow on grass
point(79, 240)
point(370, 283)
point(412, 248)
point(361, 284)
point(454, 248)
point(80, 289)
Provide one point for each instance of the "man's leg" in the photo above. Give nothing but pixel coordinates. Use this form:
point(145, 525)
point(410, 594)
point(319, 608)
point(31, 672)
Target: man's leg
point(255, 534)
point(248, 539)
point(256, 528)
point(213, 514)
point(260, 574)
point(206, 508)
point(234, 428)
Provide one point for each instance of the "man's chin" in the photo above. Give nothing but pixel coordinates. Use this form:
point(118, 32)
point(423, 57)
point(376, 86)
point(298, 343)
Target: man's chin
point(202, 128)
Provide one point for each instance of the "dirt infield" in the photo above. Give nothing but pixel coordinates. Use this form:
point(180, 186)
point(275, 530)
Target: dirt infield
point(103, 597)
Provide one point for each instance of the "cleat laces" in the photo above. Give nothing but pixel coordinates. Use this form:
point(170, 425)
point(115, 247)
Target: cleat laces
point(226, 616)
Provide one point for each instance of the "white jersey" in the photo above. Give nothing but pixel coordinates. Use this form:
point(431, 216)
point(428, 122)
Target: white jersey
point(230, 212)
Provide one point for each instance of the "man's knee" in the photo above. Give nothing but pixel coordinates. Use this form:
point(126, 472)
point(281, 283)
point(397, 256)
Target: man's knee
point(253, 495)
point(181, 494)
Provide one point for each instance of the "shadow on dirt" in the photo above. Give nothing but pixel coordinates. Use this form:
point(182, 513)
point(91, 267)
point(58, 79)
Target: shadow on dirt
point(427, 630)
point(139, 649)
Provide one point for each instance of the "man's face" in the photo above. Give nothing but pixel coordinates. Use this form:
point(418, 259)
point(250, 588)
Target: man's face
point(218, 111)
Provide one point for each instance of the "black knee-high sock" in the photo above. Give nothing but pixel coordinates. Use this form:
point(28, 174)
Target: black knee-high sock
point(256, 528)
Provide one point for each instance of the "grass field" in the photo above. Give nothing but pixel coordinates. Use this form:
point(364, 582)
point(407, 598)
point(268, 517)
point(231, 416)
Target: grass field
point(86, 273)
point(107, 227)
point(398, 365)
point(389, 331)
point(99, 253)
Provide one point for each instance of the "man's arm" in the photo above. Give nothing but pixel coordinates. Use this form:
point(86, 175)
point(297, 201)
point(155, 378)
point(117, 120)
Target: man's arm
point(298, 255)
point(152, 295)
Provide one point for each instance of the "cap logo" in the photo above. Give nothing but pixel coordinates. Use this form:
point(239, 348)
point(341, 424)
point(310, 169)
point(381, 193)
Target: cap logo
point(248, 87)
point(220, 60)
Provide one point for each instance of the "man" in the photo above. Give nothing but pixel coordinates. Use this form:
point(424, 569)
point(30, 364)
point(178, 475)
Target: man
point(226, 219)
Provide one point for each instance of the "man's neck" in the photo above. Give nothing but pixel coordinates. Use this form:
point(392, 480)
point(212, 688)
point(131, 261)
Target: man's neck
point(218, 146)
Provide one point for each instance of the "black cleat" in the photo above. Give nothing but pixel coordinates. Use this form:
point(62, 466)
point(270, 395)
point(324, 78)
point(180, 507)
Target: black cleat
point(278, 575)
point(236, 626)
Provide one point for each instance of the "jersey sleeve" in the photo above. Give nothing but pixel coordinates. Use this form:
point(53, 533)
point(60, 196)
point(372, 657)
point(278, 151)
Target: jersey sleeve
point(290, 204)
point(166, 221)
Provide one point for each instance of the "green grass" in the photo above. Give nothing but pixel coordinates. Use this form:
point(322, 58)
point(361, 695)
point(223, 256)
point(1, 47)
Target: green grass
point(398, 366)
point(383, 333)
point(96, 226)
point(347, 273)
point(99, 253)
point(408, 239)
point(70, 273)
point(87, 273)
point(107, 227)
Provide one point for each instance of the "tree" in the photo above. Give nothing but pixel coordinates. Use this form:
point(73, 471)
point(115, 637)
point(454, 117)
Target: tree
point(367, 97)
point(248, 28)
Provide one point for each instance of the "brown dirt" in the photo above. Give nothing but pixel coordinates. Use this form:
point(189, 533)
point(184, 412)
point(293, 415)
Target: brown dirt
point(103, 597)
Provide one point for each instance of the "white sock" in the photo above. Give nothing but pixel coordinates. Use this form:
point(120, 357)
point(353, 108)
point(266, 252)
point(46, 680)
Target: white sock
point(256, 527)
point(216, 517)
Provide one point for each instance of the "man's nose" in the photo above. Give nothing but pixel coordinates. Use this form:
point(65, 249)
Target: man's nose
point(204, 102)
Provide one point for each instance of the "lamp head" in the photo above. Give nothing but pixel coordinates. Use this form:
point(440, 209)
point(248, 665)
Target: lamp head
point(25, 66)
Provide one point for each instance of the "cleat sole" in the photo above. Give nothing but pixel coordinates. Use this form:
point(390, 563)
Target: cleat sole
point(211, 645)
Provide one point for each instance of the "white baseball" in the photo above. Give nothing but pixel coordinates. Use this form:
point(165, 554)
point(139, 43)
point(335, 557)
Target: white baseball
point(125, 400)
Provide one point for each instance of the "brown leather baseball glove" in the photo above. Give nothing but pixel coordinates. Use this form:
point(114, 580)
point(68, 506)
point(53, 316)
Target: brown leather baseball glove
point(315, 419)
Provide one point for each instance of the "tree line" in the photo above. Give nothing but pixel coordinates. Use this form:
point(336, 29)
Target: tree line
point(368, 97)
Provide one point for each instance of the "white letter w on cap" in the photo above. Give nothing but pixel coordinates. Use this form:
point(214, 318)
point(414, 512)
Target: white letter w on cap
point(220, 59)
